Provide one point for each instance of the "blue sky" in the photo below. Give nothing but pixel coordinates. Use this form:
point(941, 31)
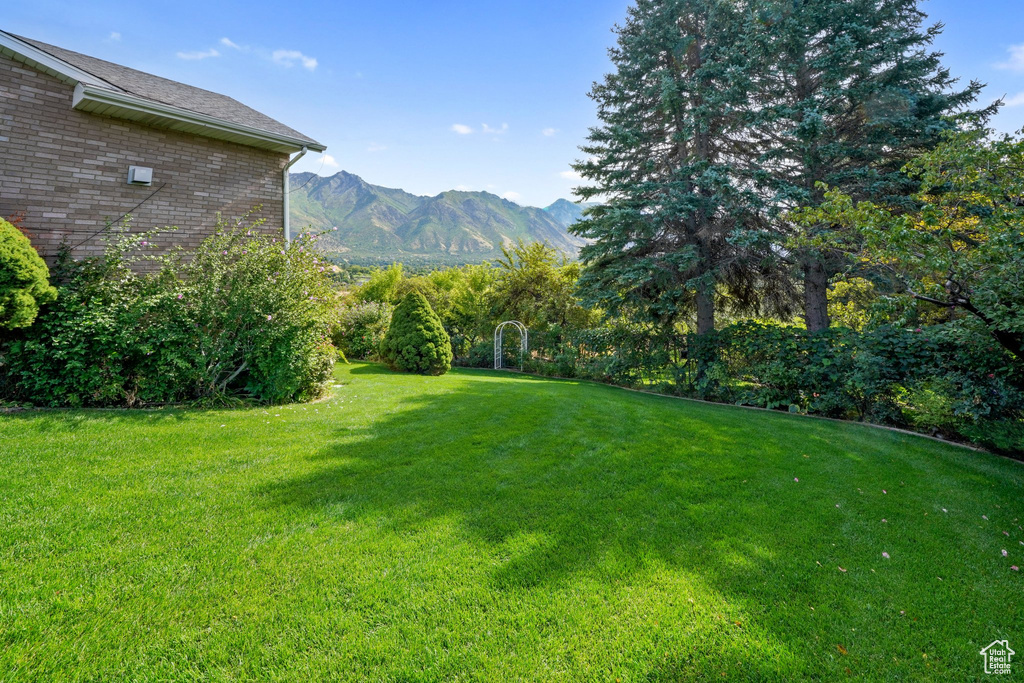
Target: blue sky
point(434, 95)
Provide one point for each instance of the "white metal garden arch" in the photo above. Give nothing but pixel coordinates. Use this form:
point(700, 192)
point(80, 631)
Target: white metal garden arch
point(499, 337)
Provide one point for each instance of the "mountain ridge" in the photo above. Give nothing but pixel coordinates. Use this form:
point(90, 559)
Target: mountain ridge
point(377, 224)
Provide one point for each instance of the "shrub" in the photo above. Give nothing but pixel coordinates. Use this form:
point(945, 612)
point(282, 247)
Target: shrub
point(361, 328)
point(416, 340)
point(241, 317)
point(24, 279)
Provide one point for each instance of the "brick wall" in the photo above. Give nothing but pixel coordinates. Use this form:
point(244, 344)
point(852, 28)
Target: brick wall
point(67, 171)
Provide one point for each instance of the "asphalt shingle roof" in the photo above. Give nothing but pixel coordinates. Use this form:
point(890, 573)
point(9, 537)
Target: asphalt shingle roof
point(168, 92)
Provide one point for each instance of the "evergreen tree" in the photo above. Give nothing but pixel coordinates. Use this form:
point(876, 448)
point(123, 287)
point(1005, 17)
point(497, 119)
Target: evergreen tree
point(663, 160)
point(847, 93)
point(416, 341)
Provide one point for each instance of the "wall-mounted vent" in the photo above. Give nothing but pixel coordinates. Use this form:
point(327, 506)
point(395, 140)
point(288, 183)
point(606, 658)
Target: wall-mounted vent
point(140, 175)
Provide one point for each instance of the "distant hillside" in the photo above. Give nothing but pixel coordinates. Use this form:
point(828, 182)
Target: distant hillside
point(380, 225)
point(566, 212)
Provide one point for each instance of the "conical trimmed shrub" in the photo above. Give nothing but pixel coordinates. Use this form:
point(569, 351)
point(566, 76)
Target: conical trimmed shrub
point(416, 340)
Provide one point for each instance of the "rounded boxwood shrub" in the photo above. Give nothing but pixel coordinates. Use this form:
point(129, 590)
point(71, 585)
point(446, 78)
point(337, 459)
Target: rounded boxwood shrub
point(416, 340)
point(24, 279)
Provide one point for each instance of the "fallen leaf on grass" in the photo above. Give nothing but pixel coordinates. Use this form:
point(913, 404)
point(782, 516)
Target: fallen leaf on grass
point(842, 650)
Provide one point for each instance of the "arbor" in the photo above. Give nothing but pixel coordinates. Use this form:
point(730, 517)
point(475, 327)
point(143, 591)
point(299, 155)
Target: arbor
point(962, 248)
point(24, 279)
point(664, 158)
point(416, 340)
point(848, 92)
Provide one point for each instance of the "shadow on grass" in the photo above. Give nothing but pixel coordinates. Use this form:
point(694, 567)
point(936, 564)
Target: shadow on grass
point(599, 484)
point(369, 368)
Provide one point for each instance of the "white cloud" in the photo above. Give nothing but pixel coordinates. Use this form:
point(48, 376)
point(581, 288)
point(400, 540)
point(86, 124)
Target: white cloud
point(571, 175)
point(495, 131)
point(463, 188)
point(198, 54)
point(462, 129)
point(227, 42)
point(329, 161)
point(375, 147)
point(511, 196)
point(1016, 60)
point(1015, 101)
point(549, 132)
point(114, 37)
point(290, 58)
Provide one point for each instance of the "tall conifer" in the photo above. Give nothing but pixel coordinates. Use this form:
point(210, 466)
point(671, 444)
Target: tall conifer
point(847, 91)
point(670, 118)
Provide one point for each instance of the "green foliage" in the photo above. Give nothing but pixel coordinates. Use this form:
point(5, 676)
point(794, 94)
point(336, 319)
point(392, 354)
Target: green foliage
point(416, 341)
point(664, 157)
point(536, 285)
point(361, 328)
point(241, 317)
point(943, 378)
point(382, 287)
point(24, 279)
point(962, 247)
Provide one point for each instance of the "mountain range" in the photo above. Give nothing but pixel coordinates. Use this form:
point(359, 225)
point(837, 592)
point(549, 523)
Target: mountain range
point(380, 225)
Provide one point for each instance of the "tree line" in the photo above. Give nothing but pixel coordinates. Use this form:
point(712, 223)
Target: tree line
point(721, 118)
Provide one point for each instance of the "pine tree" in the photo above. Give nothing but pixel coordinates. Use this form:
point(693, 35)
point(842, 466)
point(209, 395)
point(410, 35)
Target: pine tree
point(416, 341)
point(663, 162)
point(847, 92)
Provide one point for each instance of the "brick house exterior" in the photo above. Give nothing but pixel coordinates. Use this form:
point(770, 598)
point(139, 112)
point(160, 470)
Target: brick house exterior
point(71, 126)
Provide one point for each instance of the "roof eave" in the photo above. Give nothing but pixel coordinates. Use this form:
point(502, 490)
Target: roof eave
point(123, 105)
point(34, 57)
point(93, 94)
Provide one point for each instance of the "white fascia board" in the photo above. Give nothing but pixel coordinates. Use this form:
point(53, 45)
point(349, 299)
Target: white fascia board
point(89, 95)
point(61, 69)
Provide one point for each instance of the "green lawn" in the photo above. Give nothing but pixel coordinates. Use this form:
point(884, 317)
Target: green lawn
point(484, 526)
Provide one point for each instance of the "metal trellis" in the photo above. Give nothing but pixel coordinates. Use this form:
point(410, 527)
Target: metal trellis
point(499, 338)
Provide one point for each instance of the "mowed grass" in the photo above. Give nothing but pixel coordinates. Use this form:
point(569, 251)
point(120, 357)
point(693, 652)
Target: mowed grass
point(485, 526)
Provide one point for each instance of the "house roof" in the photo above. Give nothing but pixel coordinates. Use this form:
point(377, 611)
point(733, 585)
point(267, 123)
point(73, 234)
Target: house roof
point(110, 89)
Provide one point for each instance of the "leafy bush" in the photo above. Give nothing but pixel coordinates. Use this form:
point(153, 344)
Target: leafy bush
point(416, 341)
point(361, 329)
point(24, 279)
point(241, 317)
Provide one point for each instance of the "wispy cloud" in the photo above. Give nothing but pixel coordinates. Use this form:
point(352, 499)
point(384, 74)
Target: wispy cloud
point(1015, 101)
point(463, 188)
point(376, 147)
point(199, 54)
point(511, 196)
point(549, 132)
point(290, 58)
point(571, 175)
point(227, 42)
point(1016, 60)
point(495, 131)
point(462, 129)
point(114, 37)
